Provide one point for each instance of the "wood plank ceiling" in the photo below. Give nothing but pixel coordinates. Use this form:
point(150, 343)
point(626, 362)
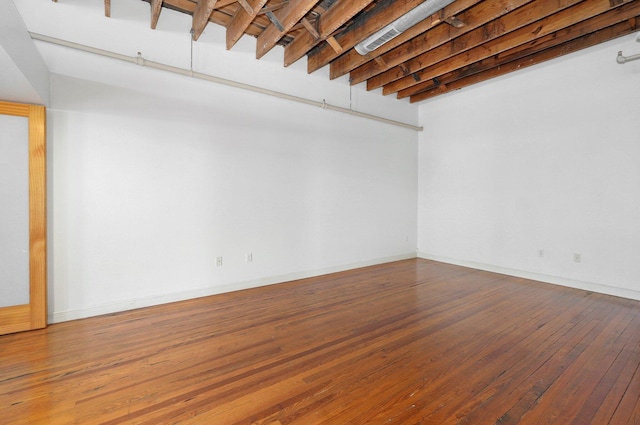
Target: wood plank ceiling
point(467, 42)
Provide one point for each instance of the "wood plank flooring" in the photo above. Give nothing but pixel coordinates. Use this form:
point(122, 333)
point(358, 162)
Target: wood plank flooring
point(409, 342)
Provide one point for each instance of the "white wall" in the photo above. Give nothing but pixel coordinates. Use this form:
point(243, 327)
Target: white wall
point(147, 190)
point(152, 176)
point(544, 159)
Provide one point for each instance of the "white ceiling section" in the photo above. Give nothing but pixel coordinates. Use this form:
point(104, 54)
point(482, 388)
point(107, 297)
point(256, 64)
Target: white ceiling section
point(23, 73)
point(127, 33)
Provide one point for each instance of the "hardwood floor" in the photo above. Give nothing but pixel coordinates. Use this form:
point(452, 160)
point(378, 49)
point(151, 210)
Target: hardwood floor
point(410, 342)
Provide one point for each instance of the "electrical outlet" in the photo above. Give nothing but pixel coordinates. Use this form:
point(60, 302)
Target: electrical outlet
point(541, 253)
point(218, 261)
point(577, 258)
point(249, 257)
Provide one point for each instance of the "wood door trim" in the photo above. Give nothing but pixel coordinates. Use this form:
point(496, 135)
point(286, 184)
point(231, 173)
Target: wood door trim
point(33, 315)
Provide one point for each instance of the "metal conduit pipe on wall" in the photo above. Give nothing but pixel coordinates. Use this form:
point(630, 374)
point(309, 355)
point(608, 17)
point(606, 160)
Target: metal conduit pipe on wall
point(139, 60)
point(624, 59)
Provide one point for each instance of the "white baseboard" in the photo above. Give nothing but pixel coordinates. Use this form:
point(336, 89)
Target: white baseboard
point(587, 286)
point(64, 316)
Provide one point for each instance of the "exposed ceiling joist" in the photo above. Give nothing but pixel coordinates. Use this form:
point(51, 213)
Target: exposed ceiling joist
point(494, 67)
point(426, 34)
point(338, 15)
point(247, 7)
point(465, 42)
point(201, 17)
point(241, 21)
point(156, 8)
point(547, 19)
point(335, 45)
point(381, 14)
point(288, 17)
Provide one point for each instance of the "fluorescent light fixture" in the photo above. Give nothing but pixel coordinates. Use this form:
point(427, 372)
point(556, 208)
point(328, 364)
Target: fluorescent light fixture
point(400, 25)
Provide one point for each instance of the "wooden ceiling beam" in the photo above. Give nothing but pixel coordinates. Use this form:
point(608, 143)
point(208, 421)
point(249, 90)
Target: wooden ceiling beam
point(273, 7)
point(480, 29)
point(311, 28)
point(425, 35)
point(241, 20)
point(328, 22)
point(335, 45)
point(383, 13)
point(551, 41)
point(518, 18)
point(600, 36)
point(201, 17)
point(185, 6)
point(466, 42)
point(190, 6)
point(352, 59)
point(288, 16)
point(583, 10)
point(247, 7)
point(156, 8)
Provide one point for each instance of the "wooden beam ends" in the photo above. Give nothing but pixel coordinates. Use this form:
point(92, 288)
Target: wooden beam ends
point(288, 16)
point(156, 7)
point(241, 21)
point(201, 17)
